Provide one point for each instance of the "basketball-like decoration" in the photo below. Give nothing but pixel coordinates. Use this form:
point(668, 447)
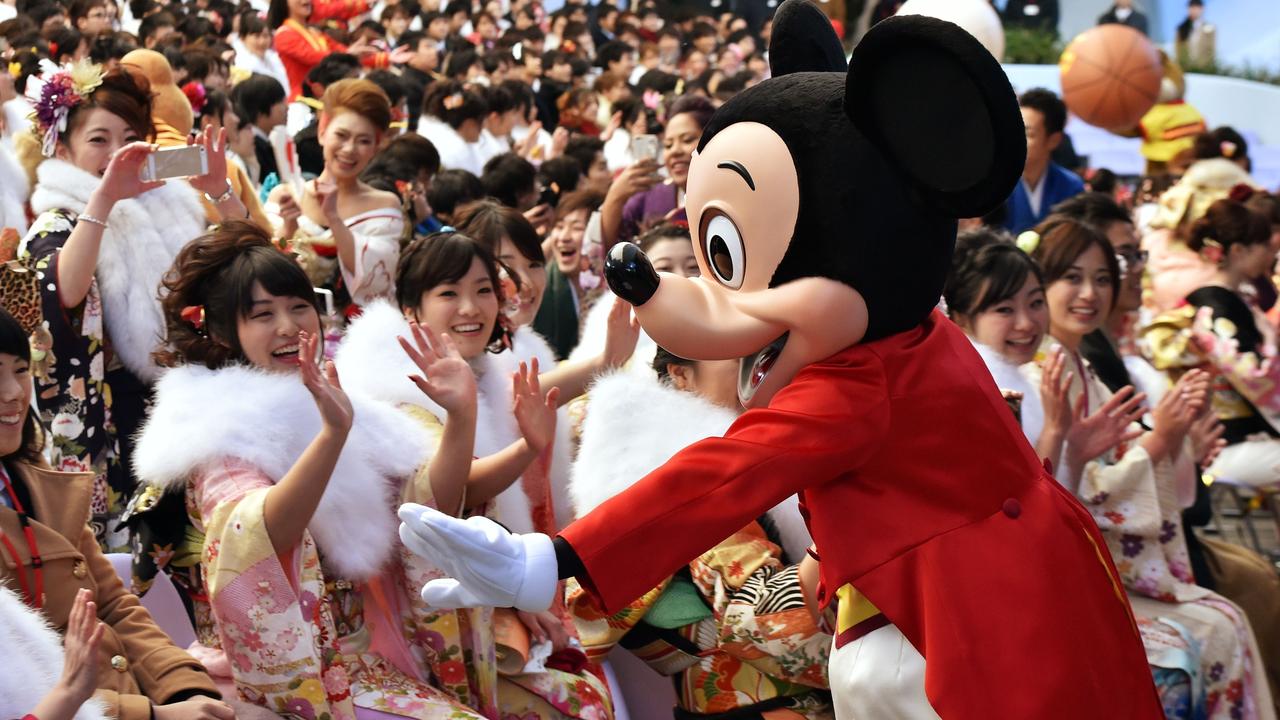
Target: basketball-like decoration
point(1110, 76)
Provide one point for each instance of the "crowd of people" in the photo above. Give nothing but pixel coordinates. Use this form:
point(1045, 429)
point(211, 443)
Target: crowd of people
point(385, 285)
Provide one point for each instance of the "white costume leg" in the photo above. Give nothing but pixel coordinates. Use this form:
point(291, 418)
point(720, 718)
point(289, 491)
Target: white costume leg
point(879, 676)
point(1253, 462)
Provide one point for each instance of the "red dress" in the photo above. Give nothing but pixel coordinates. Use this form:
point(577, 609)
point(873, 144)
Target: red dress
point(922, 493)
point(301, 48)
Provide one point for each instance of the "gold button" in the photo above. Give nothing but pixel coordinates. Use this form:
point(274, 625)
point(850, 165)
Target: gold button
point(80, 570)
point(119, 663)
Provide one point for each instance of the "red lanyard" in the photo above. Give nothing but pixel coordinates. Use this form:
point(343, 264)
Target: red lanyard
point(35, 599)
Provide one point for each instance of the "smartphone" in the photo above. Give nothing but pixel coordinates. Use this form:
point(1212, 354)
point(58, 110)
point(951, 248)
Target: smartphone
point(646, 147)
point(176, 162)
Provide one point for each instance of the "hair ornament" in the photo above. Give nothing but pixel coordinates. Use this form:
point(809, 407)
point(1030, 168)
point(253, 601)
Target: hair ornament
point(1211, 250)
point(453, 101)
point(446, 229)
point(1028, 241)
point(1241, 192)
point(194, 314)
point(195, 93)
point(1228, 149)
point(54, 92)
point(15, 68)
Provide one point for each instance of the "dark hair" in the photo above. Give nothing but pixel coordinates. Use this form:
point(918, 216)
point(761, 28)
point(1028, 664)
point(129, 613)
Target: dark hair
point(252, 24)
point(411, 39)
point(459, 63)
point(584, 149)
point(15, 341)
point(467, 105)
point(661, 232)
point(488, 222)
point(1228, 223)
point(216, 103)
point(457, 6)
point(1064, 239)
point(1095, 208)
point(1047, 104)
point(194, 27)
point(121, 94)
point(452, 188)
point(631, 108)
point(612, 52)
point(1220, 142)
point(256, 95)
point(202, 62)
point(81, 8)
point(277, 13)
point(331, 68)
point(67, 40)
point(665, 358)
point(393, 92)
point(404, 157)
point(217, 271)
point(42, 11)
point(372, 26)
point(522, 96)
point(498, 99)
point(391, 11)
point(563, 172)
point(1266, 205)
point(151, 23)
point(700, 108)
point(987, 269)
point(111, 46)
point(588, 200)
point(445, 257)
point(508, 176)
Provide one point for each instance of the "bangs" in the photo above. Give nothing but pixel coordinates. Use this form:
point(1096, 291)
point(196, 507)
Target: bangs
point(13, 341)
point(1007, 274)
point(277, 273)
point(439, 259)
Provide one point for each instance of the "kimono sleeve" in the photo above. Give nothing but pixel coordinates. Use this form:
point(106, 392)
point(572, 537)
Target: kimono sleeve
point(377, 249)
point(823, 425)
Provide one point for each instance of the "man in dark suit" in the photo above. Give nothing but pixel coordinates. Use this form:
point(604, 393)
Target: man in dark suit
point(1124, 13)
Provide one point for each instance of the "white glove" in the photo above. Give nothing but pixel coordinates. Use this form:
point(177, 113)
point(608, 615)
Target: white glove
point(490, 567)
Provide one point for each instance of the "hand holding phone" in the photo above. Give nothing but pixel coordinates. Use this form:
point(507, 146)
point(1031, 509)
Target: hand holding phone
point(646, 147)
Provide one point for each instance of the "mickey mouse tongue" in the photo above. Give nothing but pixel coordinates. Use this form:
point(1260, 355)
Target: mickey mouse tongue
point(754, 368)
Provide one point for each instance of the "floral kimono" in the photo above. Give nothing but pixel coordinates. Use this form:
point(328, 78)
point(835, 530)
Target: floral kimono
point(733, 627)
point(332, 624)
point(92, 381)
point(547, 692)
point(1136, 505)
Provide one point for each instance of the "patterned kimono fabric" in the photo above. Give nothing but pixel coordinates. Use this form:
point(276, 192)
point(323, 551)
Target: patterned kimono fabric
point(333, 623)
point(1136, 506)
point(92, 383)
point(367, 367)
point(733, 628)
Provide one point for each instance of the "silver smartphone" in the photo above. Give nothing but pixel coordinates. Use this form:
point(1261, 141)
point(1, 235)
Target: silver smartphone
point(646, 147)
point(176, 162)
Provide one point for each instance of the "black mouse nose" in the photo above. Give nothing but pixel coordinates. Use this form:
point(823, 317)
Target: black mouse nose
point(630, 274)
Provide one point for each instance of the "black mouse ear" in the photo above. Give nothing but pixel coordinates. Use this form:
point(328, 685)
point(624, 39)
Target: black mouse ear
point(940, 107)
point(804, 41)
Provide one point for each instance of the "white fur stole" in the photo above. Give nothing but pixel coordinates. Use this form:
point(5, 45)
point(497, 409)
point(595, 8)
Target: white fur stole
point(36, 658)
point(634, 425)
point(1009, 376)
point(268, 420)
point(143, 237)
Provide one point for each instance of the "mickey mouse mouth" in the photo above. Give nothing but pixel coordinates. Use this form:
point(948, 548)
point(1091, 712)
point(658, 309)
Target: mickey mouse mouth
point(754, 368)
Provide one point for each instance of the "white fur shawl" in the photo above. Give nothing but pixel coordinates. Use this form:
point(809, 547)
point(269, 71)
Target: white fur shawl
point(634, 425)
point(268, 420)
point(13, 192)
point(35, 665)
point(143, 237)
point(595, 330)
point(1010, 377)
point(372, 363)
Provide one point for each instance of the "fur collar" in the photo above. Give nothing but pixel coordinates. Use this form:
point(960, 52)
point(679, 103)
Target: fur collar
point(25, 634)
point(1009, 376)
point(628, 433)
point(143, 237)
point(373, 364)
point(267, 420)
point(595, 329)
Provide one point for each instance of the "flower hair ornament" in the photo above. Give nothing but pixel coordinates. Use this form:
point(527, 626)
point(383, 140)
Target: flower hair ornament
point(1028, 241)
point(195, 93)
point(453, 101)
point(1241, 192)
point(54, 92)
point(1211, 251)
point(194, 315)
point(1228, 149)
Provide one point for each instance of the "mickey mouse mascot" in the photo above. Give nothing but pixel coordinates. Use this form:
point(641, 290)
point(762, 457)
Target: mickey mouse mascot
point(823, 204)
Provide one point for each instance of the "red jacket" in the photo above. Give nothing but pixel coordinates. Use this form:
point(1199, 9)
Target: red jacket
point(301, 48)
point(923, 494)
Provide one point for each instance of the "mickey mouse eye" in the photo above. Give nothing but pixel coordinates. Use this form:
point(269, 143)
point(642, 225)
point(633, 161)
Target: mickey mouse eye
point(725, 254)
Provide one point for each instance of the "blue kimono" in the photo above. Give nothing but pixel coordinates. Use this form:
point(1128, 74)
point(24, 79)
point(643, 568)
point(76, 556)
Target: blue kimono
point(1059, 184)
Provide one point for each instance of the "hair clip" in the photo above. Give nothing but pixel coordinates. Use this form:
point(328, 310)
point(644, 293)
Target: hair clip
point(194, 314)
point(1028, 241)
point(1228, 148)
point(1211, 250)
point(446, 229)
point(53, 50)
point(15, 69)
point(454, 101)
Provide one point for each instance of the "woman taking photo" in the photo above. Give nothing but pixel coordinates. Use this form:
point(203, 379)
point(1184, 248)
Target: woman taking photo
point(337, 211)
point(102, 241)
point(51, 557)
point(639, 196)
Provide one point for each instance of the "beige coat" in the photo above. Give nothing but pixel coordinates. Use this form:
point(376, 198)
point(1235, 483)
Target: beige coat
point(140, 664)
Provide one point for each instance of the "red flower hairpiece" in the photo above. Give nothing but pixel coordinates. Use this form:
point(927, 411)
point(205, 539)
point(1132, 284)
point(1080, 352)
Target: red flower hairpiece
point(1241, 192)
point(195, 93)
point(194, 314)
point(682, 224)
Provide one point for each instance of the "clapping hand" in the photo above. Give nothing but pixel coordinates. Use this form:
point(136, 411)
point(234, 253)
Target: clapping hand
point(535, 413)
point(445, 377)
point(1109, 426)
point(334, 405)
point(1055, 387)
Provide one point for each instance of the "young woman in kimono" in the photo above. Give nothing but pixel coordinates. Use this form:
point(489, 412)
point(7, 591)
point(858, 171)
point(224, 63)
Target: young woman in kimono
point(101, 242)
point(736, 629)
point(448, 286)
point(293, 484)
point(338, 215)
point(995, 293)
point(1137, 490)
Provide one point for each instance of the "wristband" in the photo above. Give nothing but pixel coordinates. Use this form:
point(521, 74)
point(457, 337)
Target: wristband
point(223, 197)
point(93, 221)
